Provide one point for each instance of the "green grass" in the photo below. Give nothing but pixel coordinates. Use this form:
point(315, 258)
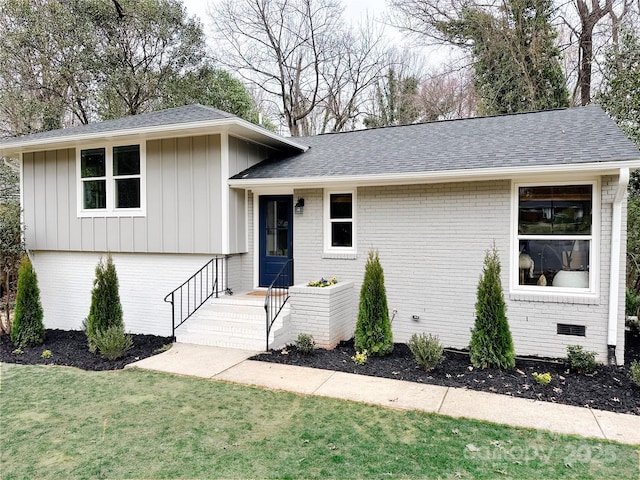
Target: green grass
point(60, 422)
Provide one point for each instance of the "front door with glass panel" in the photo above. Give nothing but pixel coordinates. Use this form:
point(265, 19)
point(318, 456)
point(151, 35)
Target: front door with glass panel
point(276, 236)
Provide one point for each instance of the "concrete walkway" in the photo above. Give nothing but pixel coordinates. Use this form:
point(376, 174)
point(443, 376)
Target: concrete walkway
point(230, 365)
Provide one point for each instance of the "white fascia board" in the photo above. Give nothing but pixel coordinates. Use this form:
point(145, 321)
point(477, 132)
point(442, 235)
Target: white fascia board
point(483, 174)
point(236, 126)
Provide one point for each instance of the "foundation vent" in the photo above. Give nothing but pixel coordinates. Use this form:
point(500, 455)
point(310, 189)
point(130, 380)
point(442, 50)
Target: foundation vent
point(566, 329)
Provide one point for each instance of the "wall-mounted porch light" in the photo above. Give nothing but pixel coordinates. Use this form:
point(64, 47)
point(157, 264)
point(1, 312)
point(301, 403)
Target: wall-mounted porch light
point(299, 206)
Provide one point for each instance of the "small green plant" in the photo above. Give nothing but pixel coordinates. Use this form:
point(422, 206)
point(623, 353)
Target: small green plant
point(164, 348)
point(360, 358)
point(427, 350)
point(323, 282)
point(542, 378)
point(18, 351)
point(580, 360)
point(305, 343)
point(632, 303)
point(634, 372)
point(46, 354)
point(113, 343)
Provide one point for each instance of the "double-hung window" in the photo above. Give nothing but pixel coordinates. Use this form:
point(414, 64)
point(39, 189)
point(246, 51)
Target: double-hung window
point(340, 222)
point(111, 180)
point(555, 237)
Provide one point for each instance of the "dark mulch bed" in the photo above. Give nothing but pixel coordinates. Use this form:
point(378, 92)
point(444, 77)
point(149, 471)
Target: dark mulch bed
point(69, 347)
point(608, 388)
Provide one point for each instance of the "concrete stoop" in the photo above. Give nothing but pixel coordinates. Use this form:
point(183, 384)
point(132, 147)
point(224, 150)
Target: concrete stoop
point(235, 322)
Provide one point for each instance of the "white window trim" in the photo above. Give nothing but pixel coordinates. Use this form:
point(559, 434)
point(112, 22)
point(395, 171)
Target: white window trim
point(594, 265)
point(110, 210)
point(328, 248)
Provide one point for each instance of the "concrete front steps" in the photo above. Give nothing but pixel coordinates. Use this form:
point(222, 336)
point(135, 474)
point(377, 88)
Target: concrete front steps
point(236, 321)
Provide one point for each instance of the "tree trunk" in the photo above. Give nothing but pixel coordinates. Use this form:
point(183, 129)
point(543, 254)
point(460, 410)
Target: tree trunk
point(586, 58)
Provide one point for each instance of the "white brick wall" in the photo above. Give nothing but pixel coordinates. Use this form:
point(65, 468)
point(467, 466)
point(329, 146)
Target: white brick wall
point(432, 240)
point(66, 279)
point(326, 313)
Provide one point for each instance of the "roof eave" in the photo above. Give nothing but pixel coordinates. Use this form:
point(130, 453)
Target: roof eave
point(235, 125)
point(483, 174)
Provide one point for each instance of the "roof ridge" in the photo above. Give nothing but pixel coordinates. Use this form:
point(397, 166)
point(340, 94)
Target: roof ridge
point(451, 120)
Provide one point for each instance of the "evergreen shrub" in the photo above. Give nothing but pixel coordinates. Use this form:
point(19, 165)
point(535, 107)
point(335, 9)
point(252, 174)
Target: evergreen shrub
point(305, 343)
point(373, 327)
point(491, 343)
point(634, 372)
point(28, 328)
point(427, 350)
point(105, 310)
point(113, 343)
point(580, 360)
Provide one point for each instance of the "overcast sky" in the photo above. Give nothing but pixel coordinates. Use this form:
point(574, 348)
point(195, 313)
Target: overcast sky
point(354, 9)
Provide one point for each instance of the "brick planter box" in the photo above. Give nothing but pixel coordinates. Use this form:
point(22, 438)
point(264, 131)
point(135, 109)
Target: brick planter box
point(327, 313)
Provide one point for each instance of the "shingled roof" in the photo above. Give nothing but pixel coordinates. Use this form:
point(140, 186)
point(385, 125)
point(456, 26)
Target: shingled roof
point(573, 136)
point(171, 116)
point(162, 123)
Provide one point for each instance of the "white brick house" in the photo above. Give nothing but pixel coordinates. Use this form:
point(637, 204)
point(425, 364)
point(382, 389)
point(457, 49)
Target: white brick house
point(164, 192)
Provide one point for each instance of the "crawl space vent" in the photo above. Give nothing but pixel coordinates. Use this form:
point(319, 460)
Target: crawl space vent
point(566, 329)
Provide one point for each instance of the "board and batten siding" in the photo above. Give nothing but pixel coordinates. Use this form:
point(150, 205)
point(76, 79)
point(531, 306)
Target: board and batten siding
point(184, 188)
point(242, 155)
point(432, 240)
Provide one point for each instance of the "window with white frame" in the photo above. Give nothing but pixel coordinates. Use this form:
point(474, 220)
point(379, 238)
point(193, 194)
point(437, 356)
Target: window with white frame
point(111, 180)
point(340, 221)
point(555, 236)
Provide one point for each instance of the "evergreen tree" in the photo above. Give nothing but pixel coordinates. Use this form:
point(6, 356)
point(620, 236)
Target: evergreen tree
point(105, 310)
point(620, 95)
point(396, 101)
point(28, 329)
point(516, 63)
point(491, 343)
point(373, 328)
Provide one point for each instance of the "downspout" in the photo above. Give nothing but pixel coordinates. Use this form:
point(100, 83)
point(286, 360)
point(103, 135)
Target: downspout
point(614, 273)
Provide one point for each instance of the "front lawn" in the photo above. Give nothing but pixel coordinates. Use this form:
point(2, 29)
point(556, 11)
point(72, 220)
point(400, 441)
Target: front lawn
point(59, 422)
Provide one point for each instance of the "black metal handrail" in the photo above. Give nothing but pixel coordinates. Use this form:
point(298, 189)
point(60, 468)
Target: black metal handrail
point(185, 300)
point(277, 295)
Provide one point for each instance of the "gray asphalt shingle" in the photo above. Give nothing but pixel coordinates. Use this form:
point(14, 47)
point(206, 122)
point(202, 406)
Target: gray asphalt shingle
point(568, 136)
point(171, 116)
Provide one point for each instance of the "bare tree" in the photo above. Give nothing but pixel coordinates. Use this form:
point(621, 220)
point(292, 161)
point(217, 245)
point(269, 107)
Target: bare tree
point(362, 59)
point(448, 93)
point(300, 52)
point(589, 15)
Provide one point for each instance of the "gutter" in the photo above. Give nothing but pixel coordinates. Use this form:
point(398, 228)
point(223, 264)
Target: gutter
point(234, 125)
point(614, 272)
point(572, 171)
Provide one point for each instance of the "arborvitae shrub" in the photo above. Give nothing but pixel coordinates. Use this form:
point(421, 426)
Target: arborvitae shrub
point(373, 328)
point(28, 329)
point(491, 343)
point(106, 310)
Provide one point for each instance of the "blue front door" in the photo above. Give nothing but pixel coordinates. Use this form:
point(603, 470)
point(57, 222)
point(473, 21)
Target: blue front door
point(276, 236)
